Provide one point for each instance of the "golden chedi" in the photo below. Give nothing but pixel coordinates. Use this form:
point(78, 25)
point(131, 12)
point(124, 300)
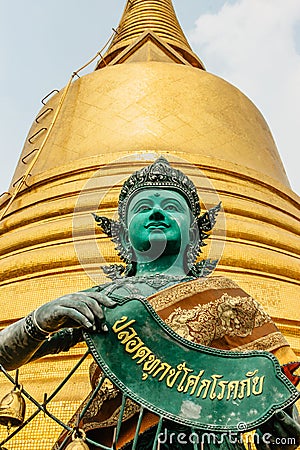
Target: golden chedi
point(149, 95)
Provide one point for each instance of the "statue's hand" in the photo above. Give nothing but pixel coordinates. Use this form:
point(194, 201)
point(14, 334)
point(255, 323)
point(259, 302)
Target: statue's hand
point(83, 309)
point(282, 431)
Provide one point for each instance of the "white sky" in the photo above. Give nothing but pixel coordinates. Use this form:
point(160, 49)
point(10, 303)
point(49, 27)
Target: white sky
point(253, 44)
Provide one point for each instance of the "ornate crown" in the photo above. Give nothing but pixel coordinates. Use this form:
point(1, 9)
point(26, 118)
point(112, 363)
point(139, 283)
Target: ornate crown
point(160, 174)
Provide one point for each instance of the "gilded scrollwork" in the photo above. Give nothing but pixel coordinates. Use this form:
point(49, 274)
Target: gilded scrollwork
point(131, 408)
point(175, 294)
point(232, 316)
point(270, 343)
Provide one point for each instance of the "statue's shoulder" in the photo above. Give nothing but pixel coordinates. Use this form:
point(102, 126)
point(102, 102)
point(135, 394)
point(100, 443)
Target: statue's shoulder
point(215, 282)
point(111, 288)
point(101, 287)
point(188, 288)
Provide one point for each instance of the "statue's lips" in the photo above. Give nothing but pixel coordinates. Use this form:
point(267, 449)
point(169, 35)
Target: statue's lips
point(156, 225)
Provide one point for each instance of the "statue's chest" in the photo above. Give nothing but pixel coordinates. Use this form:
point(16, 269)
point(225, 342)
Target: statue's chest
point(141, 287)
point(129, 290)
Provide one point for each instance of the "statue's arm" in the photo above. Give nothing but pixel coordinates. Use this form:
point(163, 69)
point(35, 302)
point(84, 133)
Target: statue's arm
point(52, 328)
point(16, 345)
point(61, 341)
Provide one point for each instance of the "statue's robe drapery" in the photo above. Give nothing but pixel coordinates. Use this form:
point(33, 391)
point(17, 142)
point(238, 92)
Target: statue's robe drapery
point(214, 312)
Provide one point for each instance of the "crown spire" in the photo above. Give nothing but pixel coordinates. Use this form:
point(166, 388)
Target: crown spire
point(156, 16)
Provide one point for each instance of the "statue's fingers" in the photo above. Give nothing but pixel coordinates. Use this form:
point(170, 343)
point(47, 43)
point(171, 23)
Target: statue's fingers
point(93, 313)
point(102, 299)
point(95, 308)
point(279, 430)
point(287, 431)
point(96, 313)
point(288, 424)
point(104, 327)
point(78, 317)
point(80, 302)
point(86, 310)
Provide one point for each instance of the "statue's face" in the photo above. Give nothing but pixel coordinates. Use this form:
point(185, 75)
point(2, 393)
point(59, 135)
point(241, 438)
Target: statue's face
point(158, 219)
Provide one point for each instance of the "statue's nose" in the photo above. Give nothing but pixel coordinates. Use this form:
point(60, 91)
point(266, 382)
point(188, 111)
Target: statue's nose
point(157, 214)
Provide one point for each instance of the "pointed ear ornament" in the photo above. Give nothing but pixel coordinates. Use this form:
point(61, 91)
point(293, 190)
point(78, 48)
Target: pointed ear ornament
point(207, 221)
point(199, 233)
point(105, 224)
point(119, 236)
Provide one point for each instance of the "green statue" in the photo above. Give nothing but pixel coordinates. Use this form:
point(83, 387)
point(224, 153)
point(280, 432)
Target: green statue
point(158, 236)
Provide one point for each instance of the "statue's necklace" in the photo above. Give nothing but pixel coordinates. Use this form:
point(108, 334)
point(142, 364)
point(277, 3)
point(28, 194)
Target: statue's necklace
point(135, 286)
point(158, 280)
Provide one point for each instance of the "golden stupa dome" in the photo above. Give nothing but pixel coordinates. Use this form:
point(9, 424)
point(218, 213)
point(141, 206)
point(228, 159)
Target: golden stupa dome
point(146, 94)
point(162, 106)
point(149, 94)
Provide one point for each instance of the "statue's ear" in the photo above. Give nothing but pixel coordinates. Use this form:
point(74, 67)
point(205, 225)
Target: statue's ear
point(118, 234)
point(106, 225)
point(207, 221)
point(121, 239)
point(204, 268)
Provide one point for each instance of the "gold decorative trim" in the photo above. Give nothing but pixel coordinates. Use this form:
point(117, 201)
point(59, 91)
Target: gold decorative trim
point(174, 294)
point(267, 343)
point(226, 316)
point(130, 410)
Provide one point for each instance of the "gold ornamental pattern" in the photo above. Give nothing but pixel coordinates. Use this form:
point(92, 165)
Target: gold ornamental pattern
point(174, 294)
point(232, 316)
point(270, 343)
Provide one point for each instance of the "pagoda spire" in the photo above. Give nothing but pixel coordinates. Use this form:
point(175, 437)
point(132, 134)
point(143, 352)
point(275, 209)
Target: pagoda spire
point(157, 17)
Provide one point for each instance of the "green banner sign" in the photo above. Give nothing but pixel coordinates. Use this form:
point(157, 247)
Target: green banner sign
point(209, 389)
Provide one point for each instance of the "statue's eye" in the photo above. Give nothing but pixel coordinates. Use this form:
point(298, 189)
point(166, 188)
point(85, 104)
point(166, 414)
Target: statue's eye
point(143, 208)
point(171, 207)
